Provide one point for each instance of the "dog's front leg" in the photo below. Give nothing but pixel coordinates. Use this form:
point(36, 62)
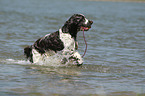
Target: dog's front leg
point(76, 57)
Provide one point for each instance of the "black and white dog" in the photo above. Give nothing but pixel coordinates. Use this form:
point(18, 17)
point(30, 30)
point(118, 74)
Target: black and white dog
point(62, 42)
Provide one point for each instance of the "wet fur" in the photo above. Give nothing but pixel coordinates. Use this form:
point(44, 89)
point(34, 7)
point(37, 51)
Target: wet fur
point(54, 41)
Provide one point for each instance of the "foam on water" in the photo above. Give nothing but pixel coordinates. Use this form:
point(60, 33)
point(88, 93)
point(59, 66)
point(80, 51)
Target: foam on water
point(13, 61)
point(48, 62)
point(55, 61)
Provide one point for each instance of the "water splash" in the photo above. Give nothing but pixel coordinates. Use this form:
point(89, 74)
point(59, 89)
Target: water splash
point(55, 61)
point(13, 61)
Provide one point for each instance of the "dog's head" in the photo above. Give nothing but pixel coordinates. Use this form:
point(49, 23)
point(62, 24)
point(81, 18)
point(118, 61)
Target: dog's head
point(77, 22)
point(80, 22)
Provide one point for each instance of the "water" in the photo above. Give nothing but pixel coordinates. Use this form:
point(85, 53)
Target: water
point(114, 64)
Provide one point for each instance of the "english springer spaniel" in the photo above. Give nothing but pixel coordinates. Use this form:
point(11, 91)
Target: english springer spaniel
point(62, 43)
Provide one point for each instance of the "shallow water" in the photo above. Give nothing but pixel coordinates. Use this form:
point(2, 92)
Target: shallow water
point(114, 64)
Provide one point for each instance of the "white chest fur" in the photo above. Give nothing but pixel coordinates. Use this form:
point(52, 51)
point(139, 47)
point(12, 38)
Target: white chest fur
point(68, 41)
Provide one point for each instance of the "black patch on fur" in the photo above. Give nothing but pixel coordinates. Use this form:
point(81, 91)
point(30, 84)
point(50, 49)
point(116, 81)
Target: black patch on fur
point(51, 42)
point(73, 25)
point(28, 53)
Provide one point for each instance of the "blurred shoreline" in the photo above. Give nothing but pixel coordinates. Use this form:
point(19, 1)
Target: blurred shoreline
point(143, 1)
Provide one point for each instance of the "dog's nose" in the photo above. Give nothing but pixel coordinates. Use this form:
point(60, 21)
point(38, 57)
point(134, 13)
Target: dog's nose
point(91, 22)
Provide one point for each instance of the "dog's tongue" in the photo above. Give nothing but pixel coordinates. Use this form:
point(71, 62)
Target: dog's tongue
point(86, 28)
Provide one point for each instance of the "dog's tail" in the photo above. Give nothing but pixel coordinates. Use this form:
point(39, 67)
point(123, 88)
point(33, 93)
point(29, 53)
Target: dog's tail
point(28, 53)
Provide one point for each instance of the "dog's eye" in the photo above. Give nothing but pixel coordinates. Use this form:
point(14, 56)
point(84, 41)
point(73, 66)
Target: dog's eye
point(77, 19)
point(80, 19)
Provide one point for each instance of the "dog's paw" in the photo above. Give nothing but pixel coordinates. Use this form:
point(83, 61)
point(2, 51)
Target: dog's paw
point(76, 61)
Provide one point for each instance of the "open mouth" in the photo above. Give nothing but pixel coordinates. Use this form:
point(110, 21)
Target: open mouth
point(85, 28)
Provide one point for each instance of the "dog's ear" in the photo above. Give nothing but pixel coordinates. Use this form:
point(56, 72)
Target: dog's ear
point(73, 23)
point(69, 24)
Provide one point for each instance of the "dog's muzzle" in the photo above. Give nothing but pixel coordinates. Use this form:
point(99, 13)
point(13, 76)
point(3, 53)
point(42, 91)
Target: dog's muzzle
point(87, 25)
